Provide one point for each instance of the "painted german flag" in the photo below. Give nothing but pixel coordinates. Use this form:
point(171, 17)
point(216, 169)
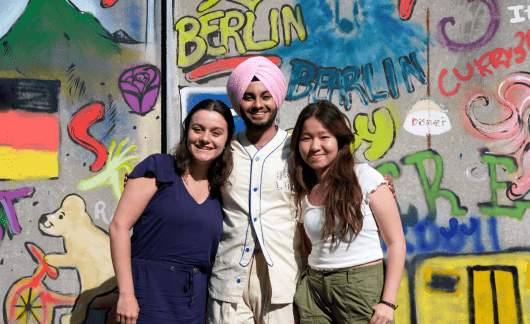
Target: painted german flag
point(29, 129)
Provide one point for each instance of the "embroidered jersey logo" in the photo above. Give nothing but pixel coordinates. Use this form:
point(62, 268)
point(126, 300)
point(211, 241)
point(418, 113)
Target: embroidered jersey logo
point(282, 179)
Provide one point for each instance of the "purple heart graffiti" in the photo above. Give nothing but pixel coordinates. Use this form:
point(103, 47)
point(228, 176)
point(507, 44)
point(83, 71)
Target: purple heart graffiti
point(140, 86)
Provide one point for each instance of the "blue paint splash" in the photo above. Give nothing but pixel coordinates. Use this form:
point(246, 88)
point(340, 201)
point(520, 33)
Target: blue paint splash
point(370, 33)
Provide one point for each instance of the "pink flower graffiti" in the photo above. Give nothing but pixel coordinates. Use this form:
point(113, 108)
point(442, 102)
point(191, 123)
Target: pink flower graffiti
point(510, 135)
point(140, 86)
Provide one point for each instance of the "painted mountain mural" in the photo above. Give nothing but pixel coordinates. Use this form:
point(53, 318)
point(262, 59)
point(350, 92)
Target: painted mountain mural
point(54, 39)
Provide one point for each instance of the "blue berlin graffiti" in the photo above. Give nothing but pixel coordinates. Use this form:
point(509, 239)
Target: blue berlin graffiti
point(320, 82)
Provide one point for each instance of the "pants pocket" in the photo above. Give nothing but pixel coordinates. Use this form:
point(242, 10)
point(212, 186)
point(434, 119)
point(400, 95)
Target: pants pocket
point(363, 292)
point(371, 290)
point(310, 301)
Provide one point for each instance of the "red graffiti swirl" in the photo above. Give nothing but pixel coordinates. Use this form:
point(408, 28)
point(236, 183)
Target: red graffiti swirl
point(221, 66)
point(405, 8)
point(78, 130)
point(107, 3)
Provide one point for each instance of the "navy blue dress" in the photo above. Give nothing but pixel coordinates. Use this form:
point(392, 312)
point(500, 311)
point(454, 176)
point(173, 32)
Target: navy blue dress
point(172, 248)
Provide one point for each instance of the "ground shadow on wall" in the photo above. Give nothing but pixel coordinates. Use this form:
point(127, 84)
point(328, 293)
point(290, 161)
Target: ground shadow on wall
point(90, 307)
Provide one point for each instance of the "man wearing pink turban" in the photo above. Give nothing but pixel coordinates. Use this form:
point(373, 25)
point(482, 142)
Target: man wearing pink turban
point(258, 260)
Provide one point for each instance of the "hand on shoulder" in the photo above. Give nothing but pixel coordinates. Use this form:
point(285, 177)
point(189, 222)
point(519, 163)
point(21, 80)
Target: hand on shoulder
point(390, 180)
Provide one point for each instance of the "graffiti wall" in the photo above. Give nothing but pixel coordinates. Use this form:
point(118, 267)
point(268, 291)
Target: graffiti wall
point(437, 94)
point(80, 104)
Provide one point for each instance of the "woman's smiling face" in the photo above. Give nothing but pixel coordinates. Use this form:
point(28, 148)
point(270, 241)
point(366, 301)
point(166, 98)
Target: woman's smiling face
point(207, 136)
point(318, 146)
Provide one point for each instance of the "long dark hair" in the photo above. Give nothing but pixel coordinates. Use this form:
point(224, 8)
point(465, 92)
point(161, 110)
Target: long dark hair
point(221, 167)
point(344, 194)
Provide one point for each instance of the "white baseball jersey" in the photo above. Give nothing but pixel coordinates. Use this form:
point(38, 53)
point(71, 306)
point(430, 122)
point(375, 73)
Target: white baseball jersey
point(259, 209)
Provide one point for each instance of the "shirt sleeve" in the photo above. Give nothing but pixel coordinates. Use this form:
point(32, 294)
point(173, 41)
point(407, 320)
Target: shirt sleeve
point(369, 179)
point(161, 165)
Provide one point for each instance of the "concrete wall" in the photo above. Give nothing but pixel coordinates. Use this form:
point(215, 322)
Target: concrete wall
point(80, 104)
point(436, 93)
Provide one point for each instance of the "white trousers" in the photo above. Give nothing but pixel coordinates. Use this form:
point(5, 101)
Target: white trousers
point(256, 307)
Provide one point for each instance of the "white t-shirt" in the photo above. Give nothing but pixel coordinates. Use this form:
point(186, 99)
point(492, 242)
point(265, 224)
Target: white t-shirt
point(346, 251)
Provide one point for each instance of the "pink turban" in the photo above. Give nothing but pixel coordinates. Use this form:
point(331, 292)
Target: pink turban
point(266, 71)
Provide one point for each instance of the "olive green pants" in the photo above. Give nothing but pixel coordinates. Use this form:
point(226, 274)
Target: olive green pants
point(340, 296)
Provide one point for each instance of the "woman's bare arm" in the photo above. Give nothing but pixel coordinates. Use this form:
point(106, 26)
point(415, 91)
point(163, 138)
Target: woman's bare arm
point(387, 216)
point(133, 202)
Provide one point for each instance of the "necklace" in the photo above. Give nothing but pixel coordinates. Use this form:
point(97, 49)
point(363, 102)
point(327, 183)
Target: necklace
point(319, 196)
point(316, 188)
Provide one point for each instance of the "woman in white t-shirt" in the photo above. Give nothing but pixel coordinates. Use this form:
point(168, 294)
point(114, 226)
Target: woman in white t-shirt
point(345, 208)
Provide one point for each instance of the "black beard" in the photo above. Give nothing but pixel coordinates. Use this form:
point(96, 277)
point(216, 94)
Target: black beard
point(261, 126)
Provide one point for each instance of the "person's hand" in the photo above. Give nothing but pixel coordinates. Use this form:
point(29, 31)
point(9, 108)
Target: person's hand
point(388, 179)
point(383, 314)
point(127, 309)
point(126, 177)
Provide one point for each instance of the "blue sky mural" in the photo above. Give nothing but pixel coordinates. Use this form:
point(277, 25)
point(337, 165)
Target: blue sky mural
point(354, 33)
point(129, 15)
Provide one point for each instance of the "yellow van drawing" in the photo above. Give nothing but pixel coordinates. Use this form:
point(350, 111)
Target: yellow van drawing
point(475, 289)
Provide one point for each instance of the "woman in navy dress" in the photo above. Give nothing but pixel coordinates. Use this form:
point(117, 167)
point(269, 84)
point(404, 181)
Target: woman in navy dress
point(172, 201)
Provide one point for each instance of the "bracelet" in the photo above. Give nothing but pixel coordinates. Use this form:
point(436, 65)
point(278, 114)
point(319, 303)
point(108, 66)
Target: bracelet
point(388, 304)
